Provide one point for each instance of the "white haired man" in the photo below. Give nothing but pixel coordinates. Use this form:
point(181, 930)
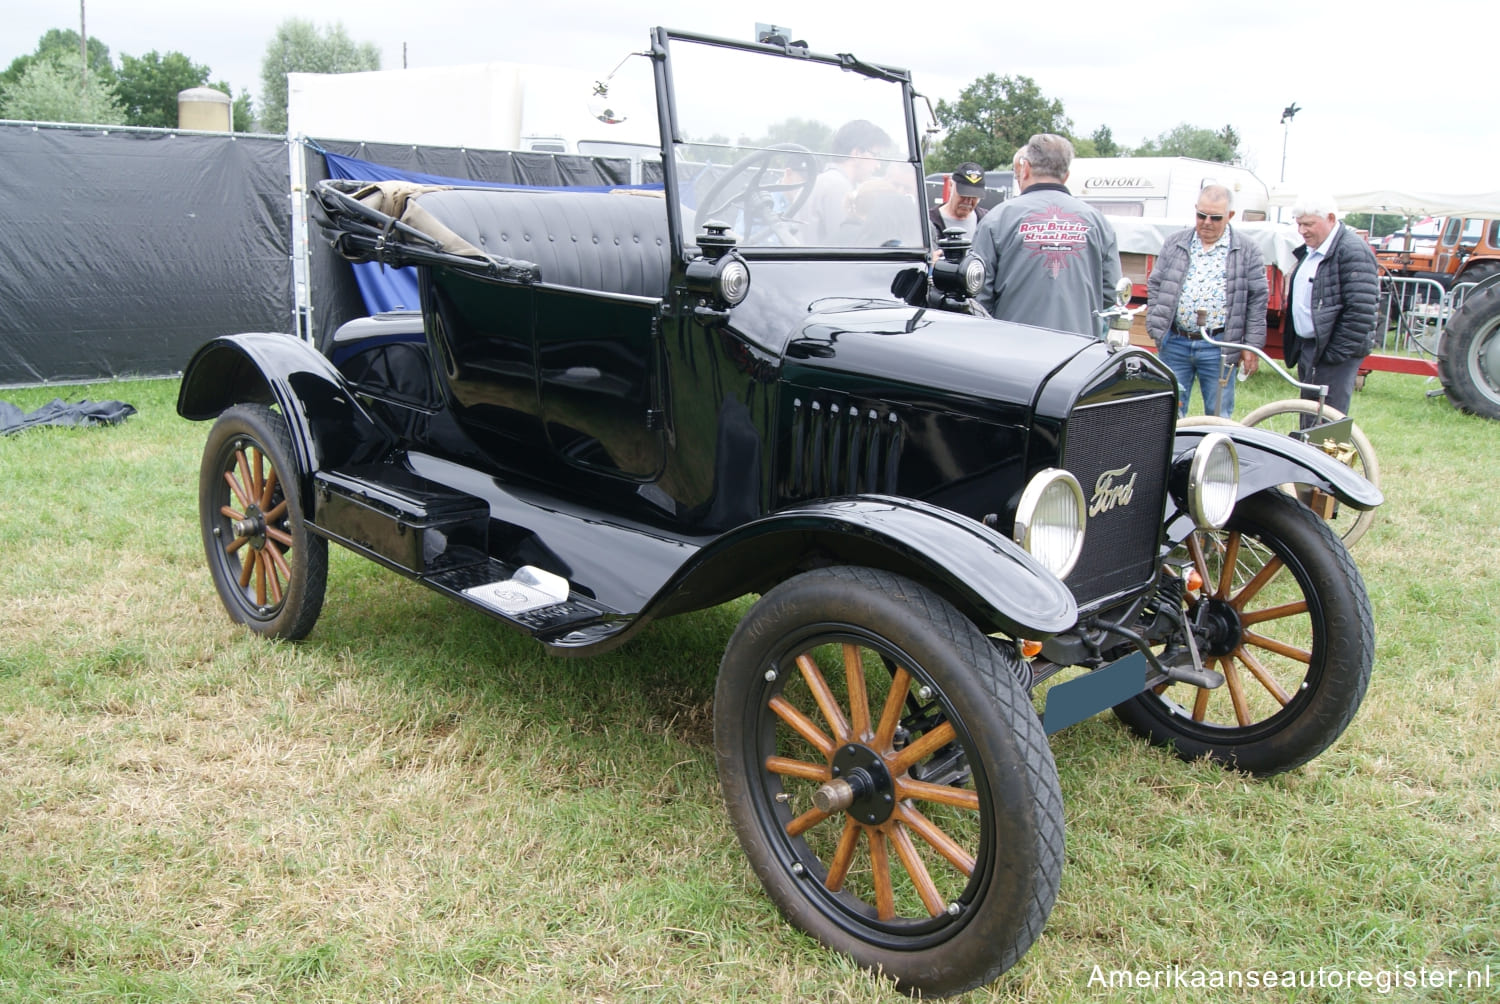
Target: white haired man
point(1332, 295)
point(1208, 280)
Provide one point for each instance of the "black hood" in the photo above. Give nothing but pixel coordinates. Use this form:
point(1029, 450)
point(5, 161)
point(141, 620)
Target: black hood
point(966, 356)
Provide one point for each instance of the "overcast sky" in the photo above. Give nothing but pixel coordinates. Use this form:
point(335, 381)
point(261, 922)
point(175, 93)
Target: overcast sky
point(1387, 90)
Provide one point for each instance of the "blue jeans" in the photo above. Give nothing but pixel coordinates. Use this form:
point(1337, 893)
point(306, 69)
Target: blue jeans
point(1199, 361)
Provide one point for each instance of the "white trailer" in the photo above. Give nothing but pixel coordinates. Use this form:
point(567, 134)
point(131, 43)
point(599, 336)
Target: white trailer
point(1163, 187)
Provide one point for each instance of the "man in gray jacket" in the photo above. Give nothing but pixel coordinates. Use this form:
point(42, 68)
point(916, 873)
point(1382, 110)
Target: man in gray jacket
point(1049, 259)
point(1331, 302)
point(1208, 280)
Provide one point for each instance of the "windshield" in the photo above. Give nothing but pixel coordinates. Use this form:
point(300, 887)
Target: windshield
point(792, 152)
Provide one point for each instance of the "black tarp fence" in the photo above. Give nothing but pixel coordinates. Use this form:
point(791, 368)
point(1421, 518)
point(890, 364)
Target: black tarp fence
point(125, 249)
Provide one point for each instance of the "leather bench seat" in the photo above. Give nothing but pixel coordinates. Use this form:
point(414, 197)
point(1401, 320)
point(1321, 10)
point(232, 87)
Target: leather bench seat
point(610, 242)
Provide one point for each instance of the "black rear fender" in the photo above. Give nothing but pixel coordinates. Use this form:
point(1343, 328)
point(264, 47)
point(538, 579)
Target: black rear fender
point(328, 425)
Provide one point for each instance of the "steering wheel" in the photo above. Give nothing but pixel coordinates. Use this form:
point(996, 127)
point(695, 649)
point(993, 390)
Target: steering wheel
point(749, 183)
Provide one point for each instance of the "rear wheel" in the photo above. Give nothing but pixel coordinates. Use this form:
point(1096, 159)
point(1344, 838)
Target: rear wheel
point(1283, 615)
point(1358, 452)
point(269, 570)
point(888, 778)
point(1469, 365)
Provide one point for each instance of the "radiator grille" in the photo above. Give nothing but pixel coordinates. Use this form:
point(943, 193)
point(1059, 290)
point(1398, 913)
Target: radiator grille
point(1115, 451)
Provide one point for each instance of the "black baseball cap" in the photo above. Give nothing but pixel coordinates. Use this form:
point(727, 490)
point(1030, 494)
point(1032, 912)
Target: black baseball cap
point(969, 179)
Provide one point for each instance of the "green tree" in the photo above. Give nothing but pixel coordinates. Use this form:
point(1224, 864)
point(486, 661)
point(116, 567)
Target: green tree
point(1104, 143)
point(61, 45)
point(1379, 224)
point(242, 112)
point(300, 47)
point(52, 91)
point(147, 86)
point(1192, 141)
point(804, 132)
point(993, 118)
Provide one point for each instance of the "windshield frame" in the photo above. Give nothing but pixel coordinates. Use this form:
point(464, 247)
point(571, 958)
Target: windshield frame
point(684, 243)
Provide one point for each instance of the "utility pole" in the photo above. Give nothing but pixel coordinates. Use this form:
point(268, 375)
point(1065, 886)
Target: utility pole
point(83, 45)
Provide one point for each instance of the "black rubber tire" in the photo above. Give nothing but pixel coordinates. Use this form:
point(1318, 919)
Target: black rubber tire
point(1469, 363)
point(269, 570)
point(1334, 634)
point(972, 925)
point(1479, 271)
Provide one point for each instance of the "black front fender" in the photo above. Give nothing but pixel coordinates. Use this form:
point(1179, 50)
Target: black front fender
point(328, 424)
point(987, 576)
point(1269, 459)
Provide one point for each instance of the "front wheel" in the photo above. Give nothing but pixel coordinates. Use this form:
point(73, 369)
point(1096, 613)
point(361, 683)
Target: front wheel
point(1283, 614)
point(888, 777)
point(269, 570)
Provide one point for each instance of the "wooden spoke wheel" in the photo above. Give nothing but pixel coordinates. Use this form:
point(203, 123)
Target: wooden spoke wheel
point(888, 777)
point(1283, 615)
point(269, 570)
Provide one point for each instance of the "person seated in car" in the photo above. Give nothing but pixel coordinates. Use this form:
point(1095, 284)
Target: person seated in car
point(857, 149)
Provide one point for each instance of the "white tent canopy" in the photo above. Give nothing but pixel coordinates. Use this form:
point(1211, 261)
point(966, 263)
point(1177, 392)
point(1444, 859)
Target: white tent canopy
point(1404, 203)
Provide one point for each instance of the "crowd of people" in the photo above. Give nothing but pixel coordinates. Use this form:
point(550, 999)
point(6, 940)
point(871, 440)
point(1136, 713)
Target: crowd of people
point(1052, 260)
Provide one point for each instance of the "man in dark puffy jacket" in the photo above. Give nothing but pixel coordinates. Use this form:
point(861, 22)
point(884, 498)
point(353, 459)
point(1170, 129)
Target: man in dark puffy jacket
point(1331, 302)
point(1208, 279)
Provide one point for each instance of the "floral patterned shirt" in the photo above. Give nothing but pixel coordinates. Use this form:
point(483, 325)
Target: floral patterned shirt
point(1204, 287)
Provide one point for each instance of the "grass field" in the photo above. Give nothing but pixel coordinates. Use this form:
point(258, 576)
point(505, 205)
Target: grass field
point(417, 805)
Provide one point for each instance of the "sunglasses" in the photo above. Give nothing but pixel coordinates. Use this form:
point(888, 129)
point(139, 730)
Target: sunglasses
point(1216, 217)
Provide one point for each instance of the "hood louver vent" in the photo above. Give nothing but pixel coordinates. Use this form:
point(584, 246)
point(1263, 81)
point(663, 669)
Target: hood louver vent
point(842, 450)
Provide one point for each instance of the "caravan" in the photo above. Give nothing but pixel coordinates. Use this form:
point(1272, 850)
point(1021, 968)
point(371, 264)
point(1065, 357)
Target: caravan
point(1157, 187)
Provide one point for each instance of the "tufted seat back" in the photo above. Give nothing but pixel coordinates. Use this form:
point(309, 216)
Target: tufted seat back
point(611, 242)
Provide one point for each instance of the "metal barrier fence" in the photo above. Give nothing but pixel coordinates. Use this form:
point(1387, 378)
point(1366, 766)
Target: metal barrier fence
point(1412, 314)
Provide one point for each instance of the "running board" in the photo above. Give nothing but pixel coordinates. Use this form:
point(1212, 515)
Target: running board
point(440, 537)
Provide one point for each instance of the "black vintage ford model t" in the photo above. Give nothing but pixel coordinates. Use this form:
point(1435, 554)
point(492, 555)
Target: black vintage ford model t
point(614, 407)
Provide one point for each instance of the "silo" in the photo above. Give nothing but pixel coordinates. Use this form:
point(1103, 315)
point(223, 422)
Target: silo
point(203, 108)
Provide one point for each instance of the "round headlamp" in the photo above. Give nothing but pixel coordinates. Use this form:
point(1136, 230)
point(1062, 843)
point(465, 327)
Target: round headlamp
point(1213, 481)
point(1050, 520)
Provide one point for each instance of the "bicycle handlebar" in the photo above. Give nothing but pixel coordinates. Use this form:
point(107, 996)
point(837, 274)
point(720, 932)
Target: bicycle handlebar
point(1320, 388)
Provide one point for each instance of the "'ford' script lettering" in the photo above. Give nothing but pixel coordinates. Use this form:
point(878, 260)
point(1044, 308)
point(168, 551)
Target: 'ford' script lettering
point(1111, 491)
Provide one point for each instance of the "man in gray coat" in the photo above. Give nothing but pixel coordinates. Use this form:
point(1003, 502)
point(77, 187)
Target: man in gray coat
point(1208, 280)
point(1049, 259)
point(1332, 297)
